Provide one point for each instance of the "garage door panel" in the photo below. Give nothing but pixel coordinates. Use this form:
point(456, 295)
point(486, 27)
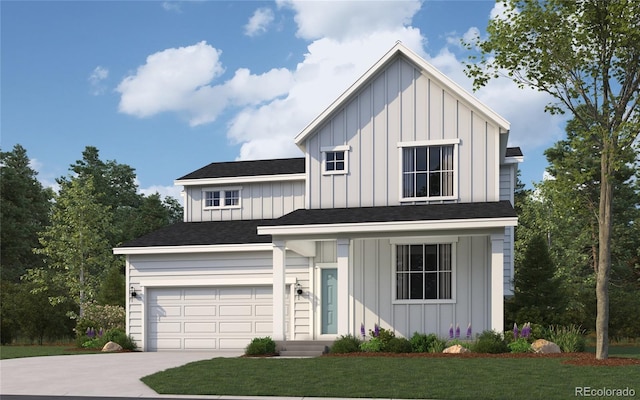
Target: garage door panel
point(207, 318)
point(199, 327)
point(264, 328)
point(165, 294)
point(264, 310)
point(169, 344)
point(197, 294)
point(236, 294)
point(167, 327)
point(234, 343)
point(236, 327)
point(199, 344)
point(165, 311)
point(200, 311)
point(236, 310)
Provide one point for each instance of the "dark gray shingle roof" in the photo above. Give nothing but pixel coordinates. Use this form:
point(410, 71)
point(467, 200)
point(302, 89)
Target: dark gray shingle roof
point(513, 152)
point(430, 212)
point(281, 166)
point(203, 233)
point(245, 231)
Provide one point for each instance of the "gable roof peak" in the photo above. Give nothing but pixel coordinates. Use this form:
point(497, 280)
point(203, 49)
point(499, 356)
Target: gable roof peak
point(400, 49)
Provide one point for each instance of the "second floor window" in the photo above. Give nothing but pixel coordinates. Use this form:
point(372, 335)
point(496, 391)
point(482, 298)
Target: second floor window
point(221, 198)
point(335, 160)
point(428, 171)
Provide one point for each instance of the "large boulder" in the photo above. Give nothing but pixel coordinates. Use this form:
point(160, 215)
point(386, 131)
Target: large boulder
point(542, 346)
point(112, 347)
point(456, 349)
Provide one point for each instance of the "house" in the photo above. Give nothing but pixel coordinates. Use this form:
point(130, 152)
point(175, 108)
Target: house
point(398, 213)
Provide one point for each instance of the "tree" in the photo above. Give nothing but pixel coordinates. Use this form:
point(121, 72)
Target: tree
point(114, 186)
point(75, 244)
point(24, 212)
point(587, 56)
point(538, 294)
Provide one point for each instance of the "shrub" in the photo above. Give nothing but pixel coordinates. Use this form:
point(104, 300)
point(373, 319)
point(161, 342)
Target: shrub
point(421, 342)
point(570, 338)
point(398, 345)
point(383, 335)
point(490, 342)
point(260, 346)
point(520, 345)
point(119, 336)
point(346, 344)
point(97, 339)
point(373, 345)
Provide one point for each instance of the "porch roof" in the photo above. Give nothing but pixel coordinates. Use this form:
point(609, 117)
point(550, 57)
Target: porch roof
point(394, 218)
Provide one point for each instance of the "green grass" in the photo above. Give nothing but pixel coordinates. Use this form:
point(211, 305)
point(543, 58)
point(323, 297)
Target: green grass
point(389, 377)
point(19, 351)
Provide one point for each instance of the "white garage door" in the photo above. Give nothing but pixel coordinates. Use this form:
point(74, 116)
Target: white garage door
point(207, 318)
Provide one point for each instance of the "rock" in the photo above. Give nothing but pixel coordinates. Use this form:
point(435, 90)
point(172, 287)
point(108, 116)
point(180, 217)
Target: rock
point(456, 349)
point(111, 347)
point(542, 346)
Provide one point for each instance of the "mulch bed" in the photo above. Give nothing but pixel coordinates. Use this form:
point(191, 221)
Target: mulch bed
point(581, 359)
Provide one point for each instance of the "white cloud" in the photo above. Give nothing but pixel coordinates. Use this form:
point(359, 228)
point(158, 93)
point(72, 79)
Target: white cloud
point(96, 78)
point(344, 20)
point(181, 80)
point(164, 191)
point(171, 6)
point(259, 22)
point(169, 79)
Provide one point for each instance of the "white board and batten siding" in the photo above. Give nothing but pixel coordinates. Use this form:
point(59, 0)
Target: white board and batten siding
point(400, 104)
point(258, 200)
point(508, 176)
point(207, 301)
point(371, 281)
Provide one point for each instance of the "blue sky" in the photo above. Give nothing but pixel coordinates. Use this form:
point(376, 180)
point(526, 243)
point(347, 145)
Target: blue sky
point(168, 87)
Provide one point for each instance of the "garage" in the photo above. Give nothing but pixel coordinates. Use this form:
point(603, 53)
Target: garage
point(207, 318)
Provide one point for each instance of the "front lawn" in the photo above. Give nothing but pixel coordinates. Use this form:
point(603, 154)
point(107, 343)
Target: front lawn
point(392, 377)
point(19, 351)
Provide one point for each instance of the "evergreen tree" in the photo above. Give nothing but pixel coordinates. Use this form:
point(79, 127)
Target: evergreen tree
point(24, 211)
point(538, 295)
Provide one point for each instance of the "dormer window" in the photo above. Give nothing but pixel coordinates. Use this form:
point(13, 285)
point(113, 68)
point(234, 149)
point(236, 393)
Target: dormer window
point(222, 198)
point(335, 160)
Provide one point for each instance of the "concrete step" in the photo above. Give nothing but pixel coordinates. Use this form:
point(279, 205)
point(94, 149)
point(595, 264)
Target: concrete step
point(303, 348)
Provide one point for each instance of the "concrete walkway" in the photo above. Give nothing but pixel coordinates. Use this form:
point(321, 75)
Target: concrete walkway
point(114, 374)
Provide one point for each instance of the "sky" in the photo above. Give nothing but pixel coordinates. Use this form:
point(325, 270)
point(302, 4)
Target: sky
point(170, 86)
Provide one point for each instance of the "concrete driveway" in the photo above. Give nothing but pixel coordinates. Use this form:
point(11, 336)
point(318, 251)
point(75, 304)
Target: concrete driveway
point(113, 374)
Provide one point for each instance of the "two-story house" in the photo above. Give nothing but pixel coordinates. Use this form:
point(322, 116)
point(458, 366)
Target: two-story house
point(399, 213)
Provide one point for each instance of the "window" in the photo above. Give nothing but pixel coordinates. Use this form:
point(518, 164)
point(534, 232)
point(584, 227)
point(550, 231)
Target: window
point(335, 160)
point(424, 272)
point(222, 198)
point(428, 171)
point(231, 198)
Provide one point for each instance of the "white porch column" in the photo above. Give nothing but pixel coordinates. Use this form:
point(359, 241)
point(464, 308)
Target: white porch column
point(279, 262)
point(342, 255)
point(497, 284)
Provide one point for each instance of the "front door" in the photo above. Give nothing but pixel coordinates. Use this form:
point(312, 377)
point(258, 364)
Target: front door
point(329, 301)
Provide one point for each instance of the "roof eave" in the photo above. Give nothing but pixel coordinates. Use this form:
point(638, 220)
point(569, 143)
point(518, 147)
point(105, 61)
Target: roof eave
point(227, 180)
point(391, 226)
point(216, 248)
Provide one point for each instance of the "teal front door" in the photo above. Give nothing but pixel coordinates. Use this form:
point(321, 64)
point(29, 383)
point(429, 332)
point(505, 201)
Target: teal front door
point(329, 300)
